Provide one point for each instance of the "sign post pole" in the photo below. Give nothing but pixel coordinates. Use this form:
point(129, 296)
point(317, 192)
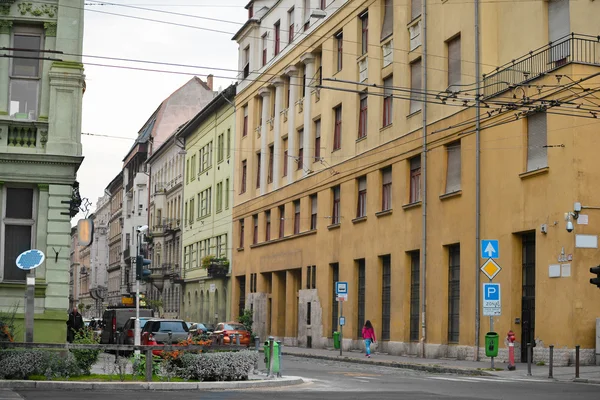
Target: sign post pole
point(492, 330)
point(341, 325)
point(28, 261)
point(30, 306)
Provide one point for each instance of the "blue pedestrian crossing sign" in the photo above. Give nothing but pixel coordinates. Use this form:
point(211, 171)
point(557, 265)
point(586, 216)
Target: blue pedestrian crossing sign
point(30, 259)
point(490, 249)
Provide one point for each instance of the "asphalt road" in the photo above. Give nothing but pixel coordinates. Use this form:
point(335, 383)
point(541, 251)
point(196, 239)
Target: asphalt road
point(332, 380)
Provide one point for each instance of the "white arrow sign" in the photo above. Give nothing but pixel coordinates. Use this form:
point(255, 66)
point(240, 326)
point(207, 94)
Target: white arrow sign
point(489, 250)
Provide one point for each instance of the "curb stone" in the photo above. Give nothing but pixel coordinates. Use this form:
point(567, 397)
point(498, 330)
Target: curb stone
point(396, 364)
point(583, 380)
point(53, 385)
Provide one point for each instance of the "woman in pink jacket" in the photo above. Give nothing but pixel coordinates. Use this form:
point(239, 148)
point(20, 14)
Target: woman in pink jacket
point(368, 334)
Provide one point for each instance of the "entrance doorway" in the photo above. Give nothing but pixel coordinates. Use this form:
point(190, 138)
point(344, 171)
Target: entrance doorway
point(528, 299)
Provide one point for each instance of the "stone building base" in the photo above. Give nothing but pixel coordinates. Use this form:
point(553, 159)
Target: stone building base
point(562, 356)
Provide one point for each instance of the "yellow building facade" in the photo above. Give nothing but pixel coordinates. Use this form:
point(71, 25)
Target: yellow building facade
point(208, 179)
point(333, 180)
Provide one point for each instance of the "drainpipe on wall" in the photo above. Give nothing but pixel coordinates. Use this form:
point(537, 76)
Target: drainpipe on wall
point(424, 192)
point(477, 181)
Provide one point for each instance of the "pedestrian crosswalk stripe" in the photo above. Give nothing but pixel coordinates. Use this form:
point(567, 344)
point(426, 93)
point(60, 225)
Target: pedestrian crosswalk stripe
point(488, 380)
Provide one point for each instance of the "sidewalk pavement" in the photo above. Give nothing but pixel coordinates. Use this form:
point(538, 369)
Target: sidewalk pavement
point(587, 373)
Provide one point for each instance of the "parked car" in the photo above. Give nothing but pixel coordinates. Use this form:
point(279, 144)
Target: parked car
point(127, 335)
point(156, 332)
point(95, 326)
point(199, 329)
point(228, 330)
point(114, 319)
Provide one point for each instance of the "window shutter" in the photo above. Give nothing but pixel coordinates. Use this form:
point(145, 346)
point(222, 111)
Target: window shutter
point(415, 84)
point(388, 19)
point(317, 129)
point(558, 28)
point(415, 9)
point(454, 63)
point(362, 183)
point(537, 153)
point(454, 168)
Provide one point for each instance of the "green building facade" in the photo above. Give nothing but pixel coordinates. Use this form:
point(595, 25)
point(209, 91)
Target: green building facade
point(208, 200)
point(40, 153)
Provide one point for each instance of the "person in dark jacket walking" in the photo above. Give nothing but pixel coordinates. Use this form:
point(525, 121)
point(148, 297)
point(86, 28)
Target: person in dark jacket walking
point(74, 324)
point(368, 334)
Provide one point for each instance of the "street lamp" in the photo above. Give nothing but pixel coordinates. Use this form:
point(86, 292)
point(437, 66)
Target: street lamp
point(136, 340)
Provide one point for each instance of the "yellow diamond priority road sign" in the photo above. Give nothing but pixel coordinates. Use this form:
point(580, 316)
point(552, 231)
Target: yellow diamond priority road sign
point(490, 268)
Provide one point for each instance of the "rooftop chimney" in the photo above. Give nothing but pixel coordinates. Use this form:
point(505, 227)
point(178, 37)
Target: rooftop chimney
point(209, 81)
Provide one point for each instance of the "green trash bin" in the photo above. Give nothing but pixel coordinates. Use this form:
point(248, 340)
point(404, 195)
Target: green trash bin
point(275, 367)
point(336, 340)
point(492, 339)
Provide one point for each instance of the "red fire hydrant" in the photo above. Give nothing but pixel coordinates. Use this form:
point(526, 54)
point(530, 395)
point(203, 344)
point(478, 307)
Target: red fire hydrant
point(510, 338)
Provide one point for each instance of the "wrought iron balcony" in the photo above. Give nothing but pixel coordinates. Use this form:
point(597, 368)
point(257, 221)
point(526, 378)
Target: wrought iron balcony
point(218, 268)
point(574, 48)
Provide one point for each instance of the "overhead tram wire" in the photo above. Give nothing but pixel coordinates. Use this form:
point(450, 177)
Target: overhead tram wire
point(138, 7)
point(233, 33)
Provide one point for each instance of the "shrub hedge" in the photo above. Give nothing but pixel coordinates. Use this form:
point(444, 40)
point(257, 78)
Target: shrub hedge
point(229, 366)
point(22, 363)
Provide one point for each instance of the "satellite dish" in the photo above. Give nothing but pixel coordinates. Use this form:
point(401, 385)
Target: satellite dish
point(30, 259)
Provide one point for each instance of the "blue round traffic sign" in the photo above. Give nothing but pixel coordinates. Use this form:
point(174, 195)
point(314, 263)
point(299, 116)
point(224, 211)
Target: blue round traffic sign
point(30, 259)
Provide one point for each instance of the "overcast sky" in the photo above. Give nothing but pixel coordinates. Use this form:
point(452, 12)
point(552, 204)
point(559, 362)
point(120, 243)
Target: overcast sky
point(117, 102)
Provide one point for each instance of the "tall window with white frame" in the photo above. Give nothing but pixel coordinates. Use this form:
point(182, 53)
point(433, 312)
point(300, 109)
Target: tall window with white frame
point(313, 212)
point(296, 217)
point(300, 148)
point(277, 28)
point(362, 119)
point(17, 231)
point(335, 212)
point(454, 64)
point(25, 73)
point(245, 122)
point(453, 169)
point(264, 49)
point(255, 229)
point(415, 86)
point(388, 97)
point(267, 225)
point(246, 62)
point(364, 29)
point(537, 139)
point(415, 179)
point(339, 44)
point(337, 129)
point(317, 140)
point(361, 202)
point(386, 189)
point(415, 8)
point(306, 15)
point(291, 25)
point(281, 210)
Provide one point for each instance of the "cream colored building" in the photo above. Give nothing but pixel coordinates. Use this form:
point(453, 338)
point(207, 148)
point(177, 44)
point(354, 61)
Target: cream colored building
point(207, 225)
point(334, 182)
point(166, 208)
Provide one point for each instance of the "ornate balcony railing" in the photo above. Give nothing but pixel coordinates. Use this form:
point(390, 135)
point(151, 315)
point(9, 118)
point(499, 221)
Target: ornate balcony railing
point(22, 134)
point(574, 48)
